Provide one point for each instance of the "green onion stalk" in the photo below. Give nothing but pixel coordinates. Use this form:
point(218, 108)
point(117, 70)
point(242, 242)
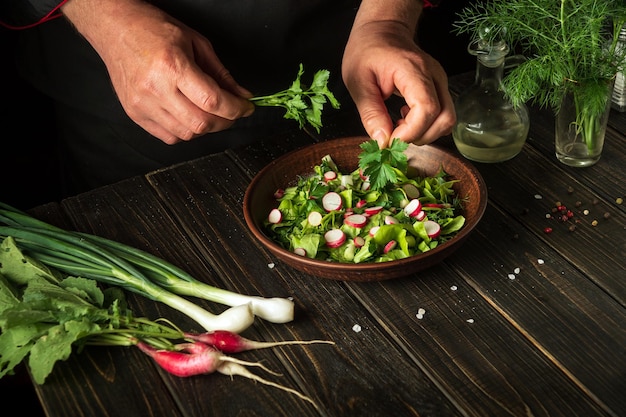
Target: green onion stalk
point(114, 263)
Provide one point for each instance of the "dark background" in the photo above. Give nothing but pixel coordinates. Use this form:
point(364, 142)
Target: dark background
point(29, 172)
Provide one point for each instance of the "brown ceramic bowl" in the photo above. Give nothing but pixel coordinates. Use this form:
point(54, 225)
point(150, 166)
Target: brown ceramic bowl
point(426, 160)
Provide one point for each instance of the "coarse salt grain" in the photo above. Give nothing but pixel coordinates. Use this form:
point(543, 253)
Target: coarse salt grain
point(538, 197)
point(540, 261)
point(271, 265)
point(454, 288)
point(516, 271)
point(356, 328)
point(511, 276)
point(470, 320)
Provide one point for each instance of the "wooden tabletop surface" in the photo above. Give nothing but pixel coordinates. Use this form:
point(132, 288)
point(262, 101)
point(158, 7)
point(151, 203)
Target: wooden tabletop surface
point(517, 322)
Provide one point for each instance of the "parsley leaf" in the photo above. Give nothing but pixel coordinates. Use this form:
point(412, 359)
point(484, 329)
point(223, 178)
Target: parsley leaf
point(303, 104)
point(379, 164)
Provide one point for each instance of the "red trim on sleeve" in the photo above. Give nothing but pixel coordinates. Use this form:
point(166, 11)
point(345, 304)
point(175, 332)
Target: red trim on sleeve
point(53, 14)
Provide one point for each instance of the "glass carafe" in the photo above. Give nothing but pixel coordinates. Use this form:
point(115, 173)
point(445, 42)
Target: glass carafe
point(489, 128)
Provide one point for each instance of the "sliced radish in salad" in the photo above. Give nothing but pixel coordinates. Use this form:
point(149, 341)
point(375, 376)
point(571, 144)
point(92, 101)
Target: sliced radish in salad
point(420, 216)
point(391, 245)
point(413, 208)
point(361, 204)
point(390, 220)
point(300, 251)
point(432, 228)
point(356, 220)
point(359, 241)
point(334, 238)
point(330, 175)
point(279, 193)
point(363, 176)
point(370, 211)
point(315, 218)
point(275, 216)
point(373, 230)
point(365, 186)
point(331, 201)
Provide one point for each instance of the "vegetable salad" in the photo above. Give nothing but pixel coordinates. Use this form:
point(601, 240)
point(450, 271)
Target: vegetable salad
point(341, 217)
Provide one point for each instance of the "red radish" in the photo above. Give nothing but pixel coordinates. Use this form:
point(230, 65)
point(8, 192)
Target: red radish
point(300, 251)
point(198, 358)
point(279, 193)
point(361, 204)
point(432, 228)
point(330, 175)
point(363, 176)
point(390, 220)
point(335, 238)
point(359, 241)
point(420, 216)
point(373, 230)
point(275, 216)
point(347, 213)
point(413, 208)
point(391, 245)
point(370, 211)
point(356, 220)
point(315, 218)
point(331, 201)
point(411, 190)
point(437, 205)
point(230, 342)
point(365, 185)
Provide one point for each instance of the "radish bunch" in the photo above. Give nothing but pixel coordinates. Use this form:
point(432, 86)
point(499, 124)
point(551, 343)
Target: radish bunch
point(206, 353)
point(339, 217)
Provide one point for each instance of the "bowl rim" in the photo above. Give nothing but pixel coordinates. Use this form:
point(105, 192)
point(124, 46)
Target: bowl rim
point(309, 263)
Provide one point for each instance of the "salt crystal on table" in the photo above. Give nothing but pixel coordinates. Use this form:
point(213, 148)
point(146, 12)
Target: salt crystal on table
point(453, 288)
point(540, 261)
point(516, 271)
point(511, 276)
point(271, 265)
point(538, 196)
point(470, 320)
point(356, 328)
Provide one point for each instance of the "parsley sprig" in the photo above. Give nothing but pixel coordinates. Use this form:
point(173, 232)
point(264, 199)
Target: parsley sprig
point(379, 164)
point(302, 103)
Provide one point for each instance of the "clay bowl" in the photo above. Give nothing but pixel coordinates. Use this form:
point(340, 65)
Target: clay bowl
point(426, 160)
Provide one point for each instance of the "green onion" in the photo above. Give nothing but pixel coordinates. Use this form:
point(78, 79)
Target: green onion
point(117, 264)
point(159, 271)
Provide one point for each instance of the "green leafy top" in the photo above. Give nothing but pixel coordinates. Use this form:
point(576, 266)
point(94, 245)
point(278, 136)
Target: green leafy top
point(302, 103)
point(379, 164)
point(568, 44)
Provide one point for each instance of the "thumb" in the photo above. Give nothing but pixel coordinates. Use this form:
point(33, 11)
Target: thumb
point(376, 121)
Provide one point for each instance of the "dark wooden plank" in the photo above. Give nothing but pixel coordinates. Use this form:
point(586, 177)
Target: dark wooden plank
point(353, 383)
point(498, 344)
point(528, 189)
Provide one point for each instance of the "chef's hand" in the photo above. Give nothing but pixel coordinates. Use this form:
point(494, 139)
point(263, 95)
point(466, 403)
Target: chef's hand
point(166, 75)
point(381, 59)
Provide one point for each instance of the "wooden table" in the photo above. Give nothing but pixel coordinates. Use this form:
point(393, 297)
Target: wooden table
point(517, 322)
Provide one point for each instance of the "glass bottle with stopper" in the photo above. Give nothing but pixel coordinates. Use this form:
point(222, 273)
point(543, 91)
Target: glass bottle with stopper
point(489, 127)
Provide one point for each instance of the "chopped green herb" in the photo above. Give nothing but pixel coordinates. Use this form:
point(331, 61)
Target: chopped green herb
point(303, 104)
